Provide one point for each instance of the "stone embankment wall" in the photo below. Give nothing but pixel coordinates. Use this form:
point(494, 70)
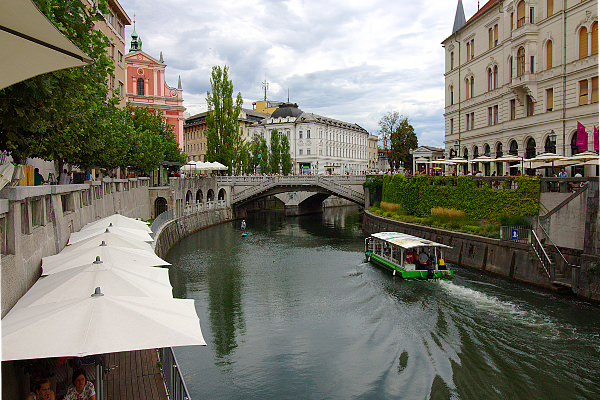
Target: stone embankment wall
point(510, 260)
point(175, 230)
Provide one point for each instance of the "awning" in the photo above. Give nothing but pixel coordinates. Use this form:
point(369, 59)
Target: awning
point(31, 45)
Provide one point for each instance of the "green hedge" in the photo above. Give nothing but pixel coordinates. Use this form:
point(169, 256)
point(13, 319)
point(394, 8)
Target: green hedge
point(419, 194)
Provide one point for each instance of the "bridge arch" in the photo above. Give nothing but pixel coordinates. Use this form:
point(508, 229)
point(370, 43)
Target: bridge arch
point(222, 195)
point(210, 195)
point(199, 196)
point(188, 197)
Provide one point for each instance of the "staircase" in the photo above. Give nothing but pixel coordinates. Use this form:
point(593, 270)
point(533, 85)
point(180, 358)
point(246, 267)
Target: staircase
point(560, 281)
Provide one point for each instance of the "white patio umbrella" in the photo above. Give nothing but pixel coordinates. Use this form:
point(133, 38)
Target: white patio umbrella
point(110, 238)
point(31, 44)
point(135, 234)
point(109, 254)
point(483, 159)
point(218, 166)
point(593, 163)
point(459, 160)
point(79, 282)
point(546, 157)
point(583, 157)
point(508, 158)
point(6, 174)
point(99, 324)
point(120, 221)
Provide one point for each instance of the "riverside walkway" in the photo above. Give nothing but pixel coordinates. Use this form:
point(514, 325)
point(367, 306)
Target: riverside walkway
point(134, 375)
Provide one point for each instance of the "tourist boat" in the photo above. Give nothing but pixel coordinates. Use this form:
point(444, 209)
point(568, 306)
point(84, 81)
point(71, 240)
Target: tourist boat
point(409, 256)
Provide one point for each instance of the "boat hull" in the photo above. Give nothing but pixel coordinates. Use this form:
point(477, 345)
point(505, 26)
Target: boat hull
point(406, 274)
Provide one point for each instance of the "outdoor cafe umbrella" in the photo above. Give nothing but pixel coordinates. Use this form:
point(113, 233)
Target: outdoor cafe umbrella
point(459, 160)
point(97, 324)
point(126, 232)
point(583, 157)
point(79, 282)
point(31, 45)
point(218, 166)
point(111, 254)
point(6, 174)
point(110, 238)
point(120, 221)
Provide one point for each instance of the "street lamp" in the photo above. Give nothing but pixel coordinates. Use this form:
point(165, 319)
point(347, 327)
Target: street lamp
point(552, 137)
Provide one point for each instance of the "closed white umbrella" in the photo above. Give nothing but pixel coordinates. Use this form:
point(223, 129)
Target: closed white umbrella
point(109, 254)
point(98, 324)
point(31, 45)
point(79, 282)
point(135, 234)
point(6, 174)
point(110, 238)
point(120, 221)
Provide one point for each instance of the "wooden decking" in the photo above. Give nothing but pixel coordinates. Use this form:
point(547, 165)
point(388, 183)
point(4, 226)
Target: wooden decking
point(134, 375)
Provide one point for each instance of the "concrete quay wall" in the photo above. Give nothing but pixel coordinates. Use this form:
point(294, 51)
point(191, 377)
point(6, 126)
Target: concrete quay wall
point(485, 254)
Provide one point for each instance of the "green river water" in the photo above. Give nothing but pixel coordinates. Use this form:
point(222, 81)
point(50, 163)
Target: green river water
point(293, 311)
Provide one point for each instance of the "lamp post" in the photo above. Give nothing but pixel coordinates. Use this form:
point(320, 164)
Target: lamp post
point(552, 137)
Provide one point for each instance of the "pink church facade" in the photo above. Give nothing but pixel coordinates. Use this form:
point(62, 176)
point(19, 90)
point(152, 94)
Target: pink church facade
point(145, 86)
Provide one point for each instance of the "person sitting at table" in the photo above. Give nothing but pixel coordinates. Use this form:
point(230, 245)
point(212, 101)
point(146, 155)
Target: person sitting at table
point(41, 390)
point(81, 389)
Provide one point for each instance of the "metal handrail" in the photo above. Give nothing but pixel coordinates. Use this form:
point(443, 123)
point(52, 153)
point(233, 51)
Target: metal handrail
point(174, 382)
point(162, 219)
point(535, 243)
point(554, 245)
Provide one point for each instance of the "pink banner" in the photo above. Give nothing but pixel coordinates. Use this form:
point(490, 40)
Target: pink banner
point(596, 141)
point(581, 137)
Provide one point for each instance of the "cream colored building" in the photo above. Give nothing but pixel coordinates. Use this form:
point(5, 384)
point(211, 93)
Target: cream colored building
point(519, 76)
point(318, 144)
point(372, 152)
point(114, 28)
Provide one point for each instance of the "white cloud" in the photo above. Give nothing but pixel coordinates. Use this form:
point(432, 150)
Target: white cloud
point(352, 60)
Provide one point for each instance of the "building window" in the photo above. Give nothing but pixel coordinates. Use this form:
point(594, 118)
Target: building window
point(512, 23)
point(520, 61)
point(594, 30)
point(467, 85)
point(495, 114)
point(111, 51)
point(510, 68)
point(472, 48)
point(549, 7)
point(300, 135)
point(549, 99)
point(140, 86)
point(452, 60)
point(583, 92)
point(308, 152)
point(451, 95)
point(121, 89)
point(468, 118)
point(595, 89)
point(451, 126)
point(531, 65)
point(491, 37)
point(468, 51)
point(495, 76)
point(308, 134)
point(521, 14)
point(529, 106)
point(489, 115)
point(549, 54)
point(495, 35)
point(120, 58)
point(583, 43)
point(472, 85)
point(530, 150)
point(120, 28)
point(490, 79)
point(513, 109)
point(300, 152)
point(531, 15)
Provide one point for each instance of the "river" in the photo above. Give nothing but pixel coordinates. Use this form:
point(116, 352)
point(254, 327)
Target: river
point(293, 311)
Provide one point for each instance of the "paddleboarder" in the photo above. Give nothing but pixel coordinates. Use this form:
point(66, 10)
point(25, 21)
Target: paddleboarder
point(243, 226)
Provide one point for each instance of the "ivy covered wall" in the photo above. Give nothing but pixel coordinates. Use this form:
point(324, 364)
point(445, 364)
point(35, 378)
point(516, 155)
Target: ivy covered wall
point(419, 194)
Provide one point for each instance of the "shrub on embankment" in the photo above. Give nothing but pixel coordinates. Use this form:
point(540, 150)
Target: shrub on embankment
point(418, 195)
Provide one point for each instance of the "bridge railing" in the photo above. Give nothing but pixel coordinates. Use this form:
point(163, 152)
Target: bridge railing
point(253, 180)
point(192, 208)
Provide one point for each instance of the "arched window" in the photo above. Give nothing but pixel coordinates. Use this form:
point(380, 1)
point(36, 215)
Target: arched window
point(451, 95)
point(467, 91)
point(583, 43)
point(549, 54)
point(140, 86)
point(574, 147)
point(549, 7)
point(475, 152)
point(520, 14)
point(514, 148)
point(472, 85)
point(521, 61)
point(466, 153)
point(550, 145)
point(490, 79)
point(486, 150)
point(499, 152)
point(510, 68)
point(530, 150)
point(495, 76)
point(594, 31)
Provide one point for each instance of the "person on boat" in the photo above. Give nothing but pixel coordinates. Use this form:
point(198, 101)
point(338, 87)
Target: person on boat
point(243, 226)
point(410, 257)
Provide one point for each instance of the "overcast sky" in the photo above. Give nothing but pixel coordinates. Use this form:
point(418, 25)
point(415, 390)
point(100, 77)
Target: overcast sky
point(352, 60)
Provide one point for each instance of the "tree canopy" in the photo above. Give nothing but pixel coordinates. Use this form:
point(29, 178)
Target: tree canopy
point(403, 139)
point(224, 141)
point(70, 116)
point(286, 157)
point(275, 152)
point(388, 125)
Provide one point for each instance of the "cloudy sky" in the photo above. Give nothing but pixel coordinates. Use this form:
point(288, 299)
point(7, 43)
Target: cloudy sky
point(352, 60)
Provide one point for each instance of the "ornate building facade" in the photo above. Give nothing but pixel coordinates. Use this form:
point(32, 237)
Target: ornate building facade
point(318, 144)
point(145, 86)
point(519, 76)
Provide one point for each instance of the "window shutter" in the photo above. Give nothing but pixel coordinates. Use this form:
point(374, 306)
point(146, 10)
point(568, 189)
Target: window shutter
point(583, 92)
point(583, 43)
point(595, 89)
point(495, 34)
point(594, 38)
point(549, 7)
point(549, 54)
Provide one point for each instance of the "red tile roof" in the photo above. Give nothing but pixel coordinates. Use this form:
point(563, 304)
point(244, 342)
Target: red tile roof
point(482, 10)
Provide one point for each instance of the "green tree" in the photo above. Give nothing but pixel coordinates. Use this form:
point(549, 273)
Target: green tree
point(275, 152)
point(254, 150)
point(388, 125)
point(263, 151)
point(403, 140)
point(223, 136)
point(56, 116)
point(286, 157)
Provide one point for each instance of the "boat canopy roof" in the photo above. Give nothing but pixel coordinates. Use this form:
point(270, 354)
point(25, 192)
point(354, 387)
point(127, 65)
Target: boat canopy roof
point(406, 241)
